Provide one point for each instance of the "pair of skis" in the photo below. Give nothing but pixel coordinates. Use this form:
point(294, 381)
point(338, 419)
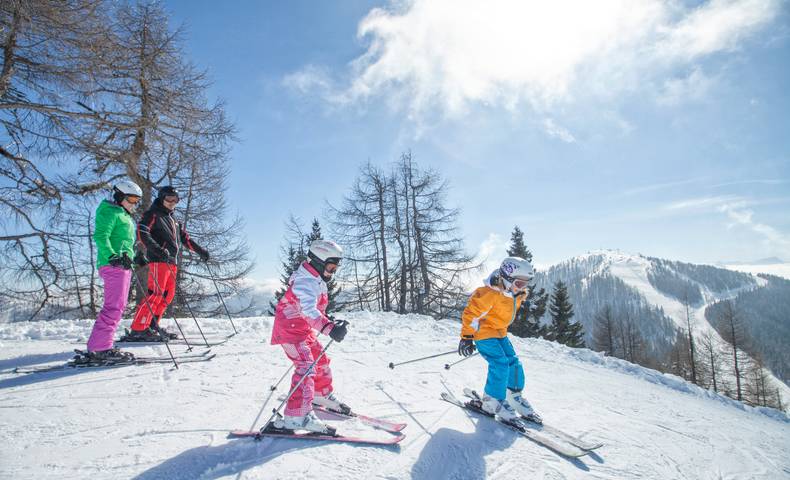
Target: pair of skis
point(550, 437)
point(71, 364)
point(377, 423)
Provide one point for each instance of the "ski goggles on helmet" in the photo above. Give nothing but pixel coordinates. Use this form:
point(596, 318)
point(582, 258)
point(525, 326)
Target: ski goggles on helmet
point(520, 283)
point(516, 283)
point(133, 199)
point(171, 199)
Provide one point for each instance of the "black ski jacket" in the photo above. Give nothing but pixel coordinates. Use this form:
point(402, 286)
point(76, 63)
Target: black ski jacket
point(162, 236)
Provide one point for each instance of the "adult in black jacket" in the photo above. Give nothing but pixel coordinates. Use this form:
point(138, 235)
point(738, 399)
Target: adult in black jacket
point(162, 238)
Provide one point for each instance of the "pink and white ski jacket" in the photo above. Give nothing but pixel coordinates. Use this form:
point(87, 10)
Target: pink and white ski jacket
point(302, 308)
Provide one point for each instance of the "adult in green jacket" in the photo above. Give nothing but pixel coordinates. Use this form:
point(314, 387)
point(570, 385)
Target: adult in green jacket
point(114, 235)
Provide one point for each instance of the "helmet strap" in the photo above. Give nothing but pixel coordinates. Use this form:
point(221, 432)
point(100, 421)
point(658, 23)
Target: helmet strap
point(316, 263)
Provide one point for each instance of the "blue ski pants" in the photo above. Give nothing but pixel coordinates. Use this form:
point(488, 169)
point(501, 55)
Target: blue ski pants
point(504, 368)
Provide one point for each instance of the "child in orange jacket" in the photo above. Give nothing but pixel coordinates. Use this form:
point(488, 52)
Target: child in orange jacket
point(486, 318)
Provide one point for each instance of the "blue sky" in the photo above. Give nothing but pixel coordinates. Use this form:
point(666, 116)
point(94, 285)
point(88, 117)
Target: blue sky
point(652, 127)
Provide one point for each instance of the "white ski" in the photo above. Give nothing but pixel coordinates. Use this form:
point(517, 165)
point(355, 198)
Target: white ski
point(567, 450)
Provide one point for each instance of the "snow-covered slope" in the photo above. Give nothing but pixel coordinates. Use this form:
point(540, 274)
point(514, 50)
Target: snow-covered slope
point(151, 422)
point(653, 293)
point(647, 276)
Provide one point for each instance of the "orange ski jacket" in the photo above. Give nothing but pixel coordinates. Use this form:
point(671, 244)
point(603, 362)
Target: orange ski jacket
point(489, 313)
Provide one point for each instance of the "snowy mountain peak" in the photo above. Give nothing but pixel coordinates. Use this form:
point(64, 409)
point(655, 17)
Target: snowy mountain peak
point(663, 298)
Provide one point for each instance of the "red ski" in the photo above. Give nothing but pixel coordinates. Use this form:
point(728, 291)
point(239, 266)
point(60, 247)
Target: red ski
point(375, 422)
point(316, 436)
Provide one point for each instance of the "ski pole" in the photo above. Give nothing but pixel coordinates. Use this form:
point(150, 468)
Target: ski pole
point(216, 287)
point(272, 388)
point(393, 365)
point(448, 365)
point(151, 310)
point(306, 373)
point(184, 299)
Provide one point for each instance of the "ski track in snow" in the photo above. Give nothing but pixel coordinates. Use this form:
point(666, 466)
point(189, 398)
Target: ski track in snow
point(154, 422)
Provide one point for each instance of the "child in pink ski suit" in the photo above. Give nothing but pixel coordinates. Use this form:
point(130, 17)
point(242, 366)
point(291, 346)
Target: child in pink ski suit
point(300, 313)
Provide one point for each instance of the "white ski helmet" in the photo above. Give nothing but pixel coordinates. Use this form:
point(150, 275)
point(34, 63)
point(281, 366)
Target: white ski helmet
point(325, 251)
point(127, 187)
point(515, 268)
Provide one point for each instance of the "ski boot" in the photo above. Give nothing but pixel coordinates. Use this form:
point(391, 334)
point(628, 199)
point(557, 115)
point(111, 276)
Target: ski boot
point(146, 335)
point(161, 330)
point(308, 422)
point(501, 409)
point(331, 402)
point(523, 407)
point(102, 357)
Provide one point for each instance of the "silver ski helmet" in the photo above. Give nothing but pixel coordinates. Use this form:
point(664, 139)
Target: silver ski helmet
point(125, 188)
point(516, 273)
point(323, 253)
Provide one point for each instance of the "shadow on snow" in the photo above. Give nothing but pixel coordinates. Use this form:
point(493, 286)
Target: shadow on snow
point(210, 462)
point(453, 454)
point(7, 365)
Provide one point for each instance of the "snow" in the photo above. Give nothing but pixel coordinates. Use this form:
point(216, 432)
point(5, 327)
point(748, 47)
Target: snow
point(150, 422)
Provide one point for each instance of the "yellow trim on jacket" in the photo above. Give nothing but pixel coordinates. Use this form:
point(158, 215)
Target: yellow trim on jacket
point(489, 313)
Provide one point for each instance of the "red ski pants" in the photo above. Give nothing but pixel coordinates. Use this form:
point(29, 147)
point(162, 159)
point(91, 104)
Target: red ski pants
point(319, 380)
point(161, 290)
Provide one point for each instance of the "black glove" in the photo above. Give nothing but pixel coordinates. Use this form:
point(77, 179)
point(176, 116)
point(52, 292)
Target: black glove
point(122, 261)
point(466, 346)
point(127, 262)
point(140, 259)
point(204, 256)
point(339, 330)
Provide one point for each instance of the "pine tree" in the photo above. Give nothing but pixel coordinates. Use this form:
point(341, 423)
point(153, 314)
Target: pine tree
point(562, 330)
point(527, 321)
point(294, 257)
point(605, 331)
point(517, 246)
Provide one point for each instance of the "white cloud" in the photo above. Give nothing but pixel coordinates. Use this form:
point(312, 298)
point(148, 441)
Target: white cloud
point(310, 79)
point(658, 186)
point(718, 25)
point(557, 131)
point(742, 216)
point(702, 202)
point(428, 56)
point(262, 286)
point(737, 211)
point(490, 254)
point(693, 87)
